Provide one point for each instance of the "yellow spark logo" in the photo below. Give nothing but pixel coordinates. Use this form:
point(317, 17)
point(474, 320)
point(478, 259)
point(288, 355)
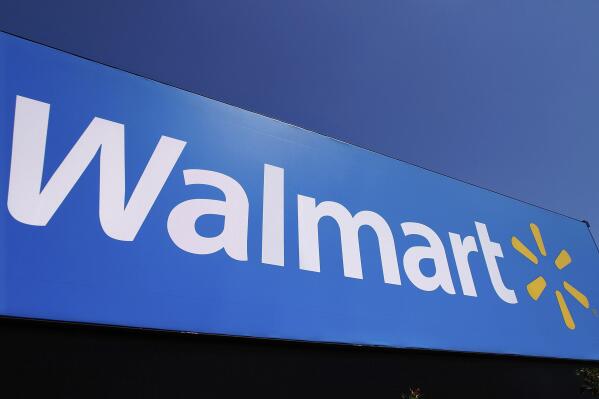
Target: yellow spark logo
point(536, 287)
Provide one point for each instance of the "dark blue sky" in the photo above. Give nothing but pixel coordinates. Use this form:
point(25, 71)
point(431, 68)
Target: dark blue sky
point(503, 94)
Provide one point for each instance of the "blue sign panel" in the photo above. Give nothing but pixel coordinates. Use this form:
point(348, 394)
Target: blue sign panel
point(128, 202)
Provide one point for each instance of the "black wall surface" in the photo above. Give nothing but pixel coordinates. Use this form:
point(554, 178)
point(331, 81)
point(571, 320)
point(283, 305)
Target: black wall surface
point(59, 360)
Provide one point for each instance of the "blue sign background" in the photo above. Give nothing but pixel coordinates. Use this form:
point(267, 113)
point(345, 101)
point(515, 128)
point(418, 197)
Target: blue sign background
point(71, 270)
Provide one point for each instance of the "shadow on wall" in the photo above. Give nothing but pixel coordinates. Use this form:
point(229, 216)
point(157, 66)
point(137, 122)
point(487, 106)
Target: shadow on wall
point(49, 359)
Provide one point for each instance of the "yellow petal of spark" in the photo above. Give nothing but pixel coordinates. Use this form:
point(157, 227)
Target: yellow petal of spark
point(536, 287)
point(518, 246)
point(563, 259)
point(537, 235)
point(580, 297)
point(565, 311)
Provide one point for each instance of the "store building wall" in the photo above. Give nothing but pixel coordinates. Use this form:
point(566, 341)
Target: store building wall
point(62, 360)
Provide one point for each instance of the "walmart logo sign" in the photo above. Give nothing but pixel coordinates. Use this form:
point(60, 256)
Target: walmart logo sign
point(31, 204)
point(536, 287)
point(132, 203)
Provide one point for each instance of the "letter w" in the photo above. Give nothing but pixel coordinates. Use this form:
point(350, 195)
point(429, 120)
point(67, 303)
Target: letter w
point(29, 204)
